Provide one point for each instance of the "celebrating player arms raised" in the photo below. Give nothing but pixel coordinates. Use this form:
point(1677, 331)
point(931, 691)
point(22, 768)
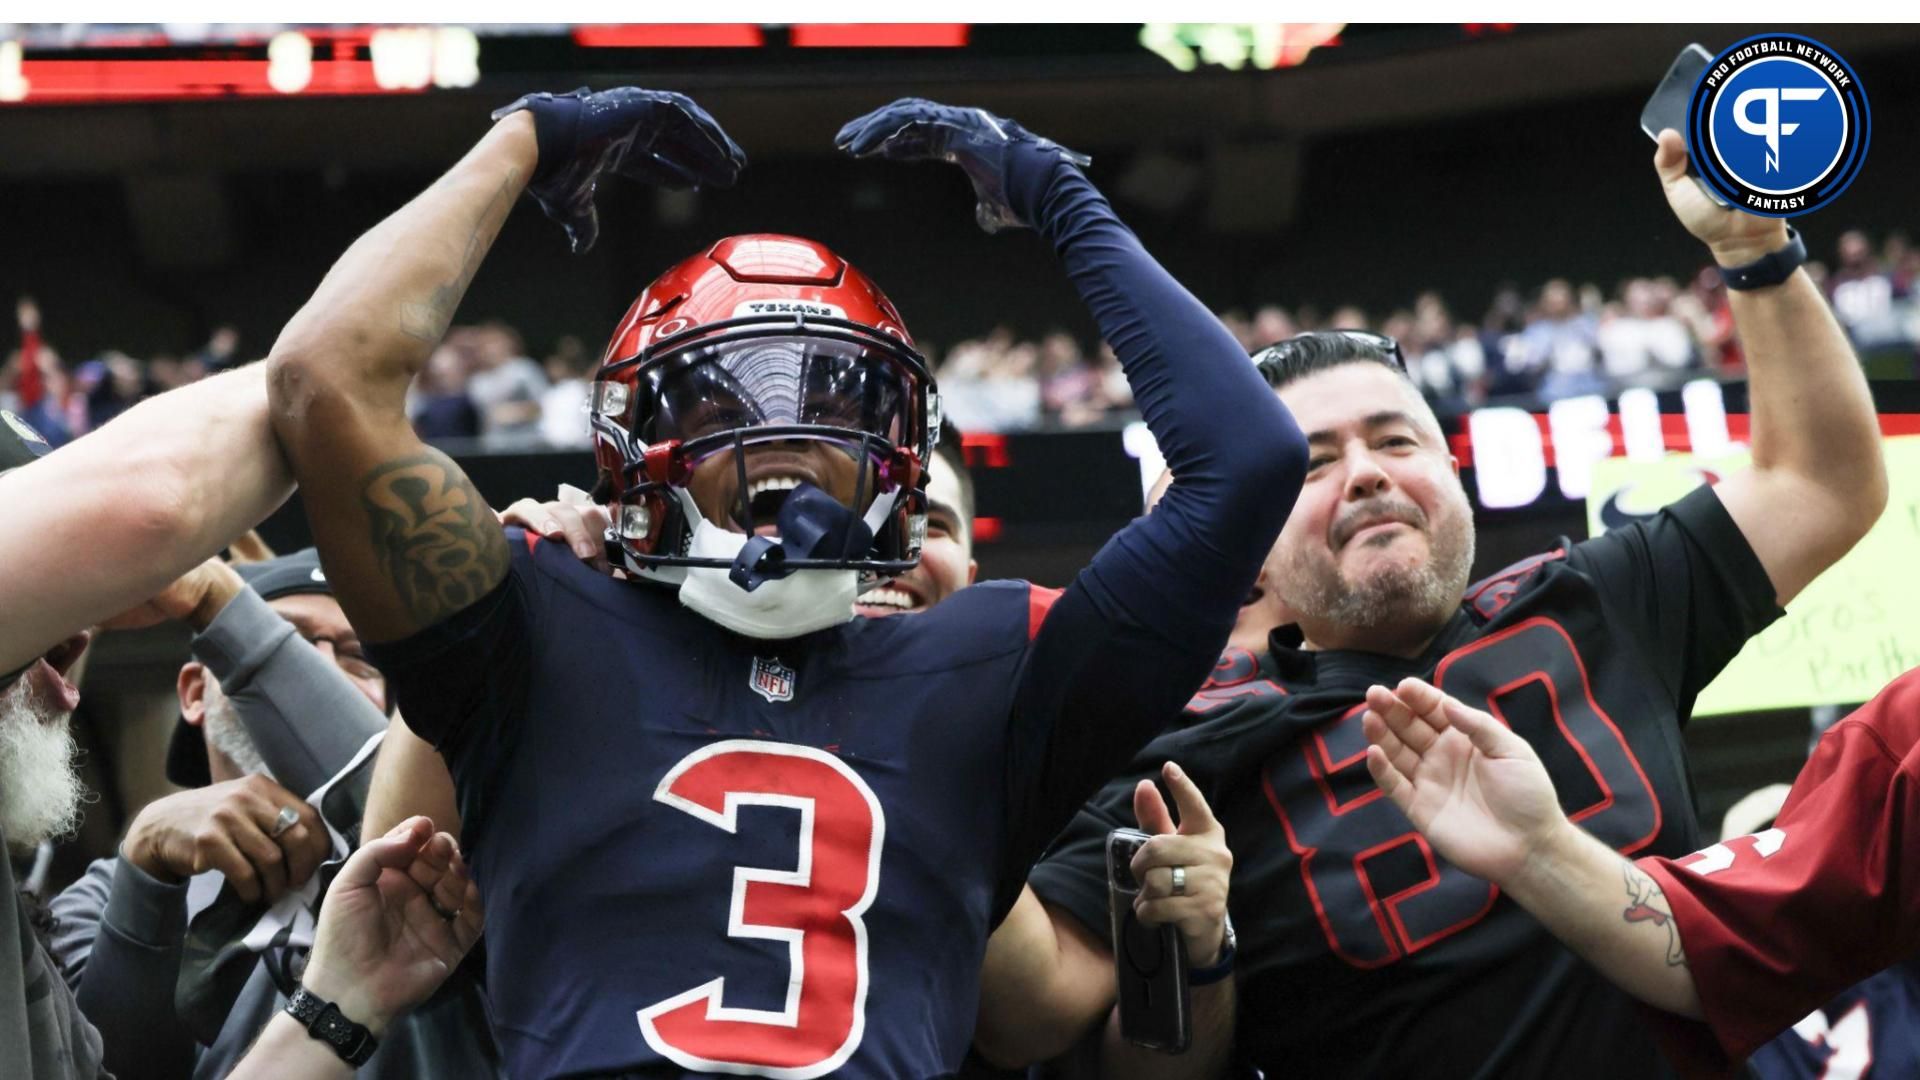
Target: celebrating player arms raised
point(1750, 934)
point(760, 837)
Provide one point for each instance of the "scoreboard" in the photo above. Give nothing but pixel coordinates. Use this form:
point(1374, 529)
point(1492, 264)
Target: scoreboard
point(91, 63)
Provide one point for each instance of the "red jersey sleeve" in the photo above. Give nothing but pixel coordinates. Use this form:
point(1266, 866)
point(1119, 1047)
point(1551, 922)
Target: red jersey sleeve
point(1776, 923)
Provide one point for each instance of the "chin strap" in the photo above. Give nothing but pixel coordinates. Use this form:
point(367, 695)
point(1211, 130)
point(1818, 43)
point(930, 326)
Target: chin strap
point(813, 525)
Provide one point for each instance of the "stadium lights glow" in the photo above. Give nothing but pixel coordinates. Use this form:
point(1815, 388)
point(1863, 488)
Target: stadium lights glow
point(411, 58)
point(1264, 46)
point(13, 84)
point(289, 62)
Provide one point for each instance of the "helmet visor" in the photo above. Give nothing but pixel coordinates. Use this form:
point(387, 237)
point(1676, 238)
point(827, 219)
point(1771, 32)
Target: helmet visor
point(773, 381)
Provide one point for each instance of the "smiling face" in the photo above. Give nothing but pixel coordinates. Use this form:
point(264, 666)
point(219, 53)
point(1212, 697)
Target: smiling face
point(773, 470)
point(707, 393)
point(946, 558)
point(1376, 553)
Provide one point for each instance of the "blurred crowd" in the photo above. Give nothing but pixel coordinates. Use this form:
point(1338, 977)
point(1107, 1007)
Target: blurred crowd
point(1528, 347)
point(1559, 340)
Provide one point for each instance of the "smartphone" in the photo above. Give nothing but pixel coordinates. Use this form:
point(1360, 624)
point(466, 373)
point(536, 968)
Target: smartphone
point(1150, 962)
point(1667, 108)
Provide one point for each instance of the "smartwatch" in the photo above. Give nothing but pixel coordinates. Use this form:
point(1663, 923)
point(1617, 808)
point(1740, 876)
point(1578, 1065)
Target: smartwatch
point(322, 1019)
point(1771, 268)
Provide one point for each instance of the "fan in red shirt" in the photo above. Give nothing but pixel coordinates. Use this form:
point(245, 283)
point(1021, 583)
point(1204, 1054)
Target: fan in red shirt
point(1749, 935)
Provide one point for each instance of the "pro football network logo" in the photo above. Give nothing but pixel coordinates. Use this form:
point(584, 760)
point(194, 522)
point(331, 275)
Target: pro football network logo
point(1778, 125)
point(772, 679)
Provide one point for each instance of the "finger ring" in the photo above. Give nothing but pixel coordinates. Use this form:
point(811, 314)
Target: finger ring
point(440, 911)
point(289, 817)
point(1179, 881)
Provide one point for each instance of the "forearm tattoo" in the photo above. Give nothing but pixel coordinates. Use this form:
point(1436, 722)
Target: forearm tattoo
point(435, 537)
point(428, 320)
point(1648, 904)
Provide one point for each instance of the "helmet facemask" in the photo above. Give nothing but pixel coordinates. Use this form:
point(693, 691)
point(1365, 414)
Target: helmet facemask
point(745, 382)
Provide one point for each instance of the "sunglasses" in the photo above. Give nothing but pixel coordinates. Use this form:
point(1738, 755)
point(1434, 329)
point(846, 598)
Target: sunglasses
point(1283, 351)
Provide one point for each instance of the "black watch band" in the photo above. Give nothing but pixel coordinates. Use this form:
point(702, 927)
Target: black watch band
point(1771, 268)
point(322, 1019)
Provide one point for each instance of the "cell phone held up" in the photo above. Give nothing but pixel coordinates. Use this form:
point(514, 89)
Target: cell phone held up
point(1150, 962)
point(1667, 108)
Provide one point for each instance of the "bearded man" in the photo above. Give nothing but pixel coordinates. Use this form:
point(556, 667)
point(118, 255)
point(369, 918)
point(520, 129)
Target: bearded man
point(1361, 951)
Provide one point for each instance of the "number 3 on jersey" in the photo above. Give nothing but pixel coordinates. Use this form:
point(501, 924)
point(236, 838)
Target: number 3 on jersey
point(815, 908)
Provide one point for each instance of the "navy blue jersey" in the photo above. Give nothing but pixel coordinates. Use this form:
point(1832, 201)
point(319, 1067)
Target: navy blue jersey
point(1362, 953)
point(708, 853)
point(702, 853)
point(1871, 1030)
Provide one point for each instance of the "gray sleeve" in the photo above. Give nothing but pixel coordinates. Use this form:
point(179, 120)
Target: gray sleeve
point(78, 911)
point(305, 716)
point(118, 945)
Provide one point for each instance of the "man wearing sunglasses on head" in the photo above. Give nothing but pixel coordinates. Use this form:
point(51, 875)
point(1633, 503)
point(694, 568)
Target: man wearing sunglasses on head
point(1361, 953)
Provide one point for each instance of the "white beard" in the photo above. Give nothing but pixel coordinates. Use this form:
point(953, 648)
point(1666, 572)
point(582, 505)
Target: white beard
point(40, 788)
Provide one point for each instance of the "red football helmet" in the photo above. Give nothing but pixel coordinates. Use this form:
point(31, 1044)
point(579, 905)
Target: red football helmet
point(761, 338)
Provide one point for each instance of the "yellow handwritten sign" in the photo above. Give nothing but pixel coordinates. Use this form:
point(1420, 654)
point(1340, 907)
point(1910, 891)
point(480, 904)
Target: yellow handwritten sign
point(1843, 638)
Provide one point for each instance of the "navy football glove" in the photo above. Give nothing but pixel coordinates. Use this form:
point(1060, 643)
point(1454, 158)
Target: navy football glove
point(654, 136)
point(992, 150)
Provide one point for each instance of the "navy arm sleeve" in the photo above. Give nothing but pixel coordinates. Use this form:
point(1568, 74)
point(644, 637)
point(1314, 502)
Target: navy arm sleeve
point(1137, 632)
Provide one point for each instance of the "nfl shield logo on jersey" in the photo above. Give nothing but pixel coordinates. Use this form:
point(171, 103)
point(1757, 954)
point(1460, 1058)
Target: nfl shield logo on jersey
point(772, 679)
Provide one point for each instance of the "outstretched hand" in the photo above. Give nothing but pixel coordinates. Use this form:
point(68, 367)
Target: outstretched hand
point(1476, 789)
point(396, 921)
point(1735, 236)
point(654, 136)
point(1198, 847)
point(985, 146)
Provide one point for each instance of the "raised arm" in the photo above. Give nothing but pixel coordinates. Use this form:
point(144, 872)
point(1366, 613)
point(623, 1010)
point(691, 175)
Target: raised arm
point(1818, 480)
point(147, 497)
point(1486, 804)
point(1137, 631)
point(407, 539)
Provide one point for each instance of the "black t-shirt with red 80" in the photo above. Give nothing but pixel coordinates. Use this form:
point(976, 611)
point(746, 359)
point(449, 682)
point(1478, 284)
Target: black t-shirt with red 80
point(1361, 953)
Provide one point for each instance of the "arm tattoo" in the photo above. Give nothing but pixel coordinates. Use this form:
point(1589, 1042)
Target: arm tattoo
point(428, 321)
point(435, 537)
point(1649, 904)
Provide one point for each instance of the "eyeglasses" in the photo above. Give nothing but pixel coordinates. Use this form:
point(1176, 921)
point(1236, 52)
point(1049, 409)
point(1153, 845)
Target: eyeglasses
point(1281, 352)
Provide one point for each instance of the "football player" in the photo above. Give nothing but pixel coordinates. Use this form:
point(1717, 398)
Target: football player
point(1360, 952)
point(721, 824)
point(1045, 979)
point(1748, 935)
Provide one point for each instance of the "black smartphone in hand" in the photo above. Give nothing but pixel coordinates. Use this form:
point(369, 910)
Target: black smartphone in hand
point(1667, 108)
point(1150, 962)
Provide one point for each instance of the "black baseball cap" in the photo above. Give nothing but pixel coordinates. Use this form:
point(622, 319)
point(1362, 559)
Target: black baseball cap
point(288, 575)
point(19, 443)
